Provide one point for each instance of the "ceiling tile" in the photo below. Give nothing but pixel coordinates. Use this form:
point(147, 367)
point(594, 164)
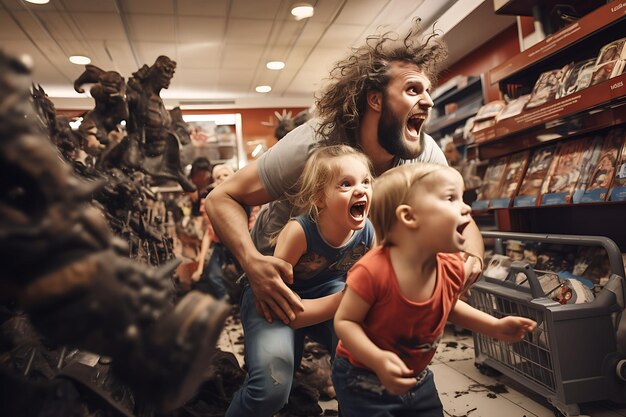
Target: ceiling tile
point(152, 28)
point(214, 8)
point(240, 56)
point(89, 6)
point(9, 30)
point(248, 31)
point(199, 55)
point(360, 12)
point(340, 35)
point(266, 9)
point(150, 51)
point(101, 26)
point(201, 29)
point(165, 7)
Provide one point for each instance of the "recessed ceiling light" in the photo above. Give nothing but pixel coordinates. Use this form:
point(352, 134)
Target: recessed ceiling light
point(263, 89)
point(80, 60)
point(275, 65)
point(302, 11)
point(38, 1)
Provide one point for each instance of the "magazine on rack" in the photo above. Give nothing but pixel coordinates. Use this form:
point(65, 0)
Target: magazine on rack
point(491, 183)
point(602, 173)
point(546, 87)
point(617, 191)
point(610, 61)
point(570, 81)
point(512, 178)
point(513, 107)
point(565, 172)
point(534, 178)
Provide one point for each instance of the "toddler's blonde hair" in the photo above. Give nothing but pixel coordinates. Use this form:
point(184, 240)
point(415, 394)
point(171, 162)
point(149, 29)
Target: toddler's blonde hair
point(392, 189)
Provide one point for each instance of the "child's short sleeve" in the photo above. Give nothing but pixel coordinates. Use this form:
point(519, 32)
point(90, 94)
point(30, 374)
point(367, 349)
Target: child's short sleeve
point(361, 281)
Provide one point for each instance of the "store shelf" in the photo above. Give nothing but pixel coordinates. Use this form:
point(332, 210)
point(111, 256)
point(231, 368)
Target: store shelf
point(468, 99)
point(591, 120)
point(597, 21)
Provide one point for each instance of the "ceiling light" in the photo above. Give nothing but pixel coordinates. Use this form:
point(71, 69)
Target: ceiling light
point(80, 60)
point(275, 65)
point(263, 89)
point(302, 11)
point(38, 1)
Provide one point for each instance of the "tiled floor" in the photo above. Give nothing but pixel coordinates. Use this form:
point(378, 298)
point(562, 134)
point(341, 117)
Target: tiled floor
point(463, 389)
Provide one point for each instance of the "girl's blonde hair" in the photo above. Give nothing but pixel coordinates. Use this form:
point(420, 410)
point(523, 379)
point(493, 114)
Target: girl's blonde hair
point(321, 169)
point(392, 189)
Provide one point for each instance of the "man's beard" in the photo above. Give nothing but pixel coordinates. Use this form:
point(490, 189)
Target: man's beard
point(391, 134)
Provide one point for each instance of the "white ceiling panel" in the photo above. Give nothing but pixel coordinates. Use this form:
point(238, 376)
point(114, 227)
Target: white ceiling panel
point(150, 51)
point(200, 29)
point(80, 6)
point(101, 26)
point(157, 28)
point(212, 8)
point(248, 31)
point(165, 7)
point(241, 56)
point(340, 35)
point(220, 46)
point(360, 13)
point(266, 9)
point(199, 55)
point(9, 30)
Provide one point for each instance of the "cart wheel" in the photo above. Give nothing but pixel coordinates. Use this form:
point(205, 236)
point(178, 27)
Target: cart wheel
point(487, 370)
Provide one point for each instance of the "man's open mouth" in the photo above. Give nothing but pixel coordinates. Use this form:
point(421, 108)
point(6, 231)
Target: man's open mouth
point(415, 123)
point(357, 210)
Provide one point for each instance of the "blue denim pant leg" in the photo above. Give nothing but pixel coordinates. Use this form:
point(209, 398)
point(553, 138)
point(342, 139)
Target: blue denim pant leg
point(269, 354)
point(360, 393)
point(214, 270)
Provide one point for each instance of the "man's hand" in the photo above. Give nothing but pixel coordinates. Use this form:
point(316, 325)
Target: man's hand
point(393, 373)
point(473, 269)
point(267, 276)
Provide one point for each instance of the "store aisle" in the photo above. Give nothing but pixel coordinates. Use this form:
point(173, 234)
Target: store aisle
point(464, 390)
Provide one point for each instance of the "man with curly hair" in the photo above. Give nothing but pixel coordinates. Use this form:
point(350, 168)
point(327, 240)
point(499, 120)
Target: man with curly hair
point(377, 100)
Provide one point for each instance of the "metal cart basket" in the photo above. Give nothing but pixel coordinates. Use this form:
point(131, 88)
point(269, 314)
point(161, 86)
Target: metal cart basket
point(578, 352)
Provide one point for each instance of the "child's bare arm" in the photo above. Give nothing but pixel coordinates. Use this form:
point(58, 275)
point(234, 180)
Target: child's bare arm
point(317, 310)
point(396, 377)
point(291, 243)
point(509, 329)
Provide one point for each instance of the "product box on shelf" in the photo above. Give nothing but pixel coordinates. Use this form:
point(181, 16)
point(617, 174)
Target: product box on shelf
point(565, 172)
point(617, 191)
point(602, 173)
point(514, 174)
point(535, 176)
point(492, 183)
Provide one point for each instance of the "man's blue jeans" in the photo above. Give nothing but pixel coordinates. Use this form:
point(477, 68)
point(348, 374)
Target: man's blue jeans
point(360, 393)
point(272, 351)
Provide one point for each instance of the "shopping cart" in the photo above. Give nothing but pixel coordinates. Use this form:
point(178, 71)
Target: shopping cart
point(578, 352)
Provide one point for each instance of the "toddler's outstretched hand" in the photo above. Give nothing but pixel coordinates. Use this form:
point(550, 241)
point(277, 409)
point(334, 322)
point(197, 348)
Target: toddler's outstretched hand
point(393, 373)
point(512, 329)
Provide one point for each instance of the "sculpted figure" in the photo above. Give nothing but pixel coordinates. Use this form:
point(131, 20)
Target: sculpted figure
point(109, 93)
point(151, 123)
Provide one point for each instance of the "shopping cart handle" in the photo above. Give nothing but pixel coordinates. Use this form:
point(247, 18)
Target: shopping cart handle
point(524, 267)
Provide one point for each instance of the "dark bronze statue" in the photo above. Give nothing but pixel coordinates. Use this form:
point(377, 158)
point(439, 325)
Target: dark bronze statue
point(151, 123)
point(109, 93)
point(63, 267)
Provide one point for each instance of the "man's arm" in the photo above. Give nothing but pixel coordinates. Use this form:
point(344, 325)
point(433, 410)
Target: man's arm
point(475, 248)
point(224, 206)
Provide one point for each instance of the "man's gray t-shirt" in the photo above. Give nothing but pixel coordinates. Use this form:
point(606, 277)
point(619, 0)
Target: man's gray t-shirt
point(279, 170)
